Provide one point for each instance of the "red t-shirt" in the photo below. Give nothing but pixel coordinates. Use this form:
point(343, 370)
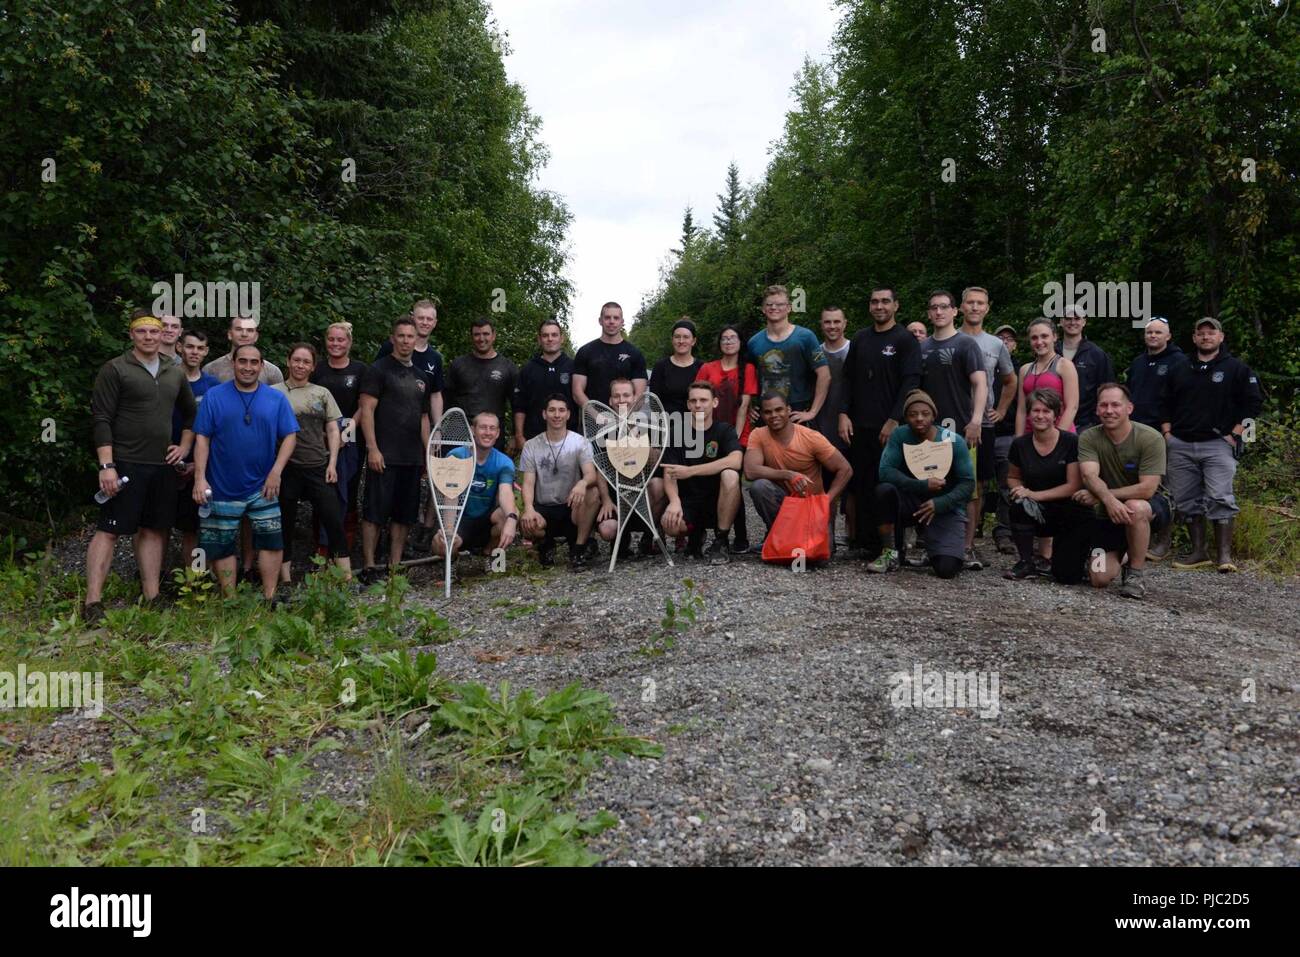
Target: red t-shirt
point(726, 383)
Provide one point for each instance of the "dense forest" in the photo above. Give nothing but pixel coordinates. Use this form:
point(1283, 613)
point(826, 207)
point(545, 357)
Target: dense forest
point(1009, 143)
point(347, 157)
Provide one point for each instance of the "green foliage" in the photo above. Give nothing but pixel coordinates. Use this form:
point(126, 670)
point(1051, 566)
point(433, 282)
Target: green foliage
point(678, 618)
point(227, 165)
point(1268, 492)
point(1127, 164)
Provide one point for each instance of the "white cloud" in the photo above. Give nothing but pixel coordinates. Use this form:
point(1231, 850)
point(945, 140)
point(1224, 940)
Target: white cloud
point(643, 105)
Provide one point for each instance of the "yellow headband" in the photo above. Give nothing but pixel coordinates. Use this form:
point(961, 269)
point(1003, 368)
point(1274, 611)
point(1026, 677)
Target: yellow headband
point(145, 320)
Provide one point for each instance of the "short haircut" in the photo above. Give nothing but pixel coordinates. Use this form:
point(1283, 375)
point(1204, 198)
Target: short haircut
point(234, 356)
point(235, 319)
point(345, 326)
point(611, 305)
point(140, 313)
point(198, 334)
point(1073, 310)
point(482, 321)
point(893, 293)
point(831, 308)
point(970, 289)
point(941, 292)
point(425, 304)
point(479, 415)
point(1048, 397)
point(302, 345)
point(768, 396)
point(614, 382)
point(549, 322)
point(556, 397)
point(403, 321)
point(1041, 321)
point(776, 290)
point(1128, 397)
point(702, 386)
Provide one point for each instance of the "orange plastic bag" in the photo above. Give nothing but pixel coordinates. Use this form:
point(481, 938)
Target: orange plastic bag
point(802, 527)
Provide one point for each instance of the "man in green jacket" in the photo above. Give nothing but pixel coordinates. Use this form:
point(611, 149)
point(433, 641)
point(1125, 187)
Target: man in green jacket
point(131, 414)
point(936, 505)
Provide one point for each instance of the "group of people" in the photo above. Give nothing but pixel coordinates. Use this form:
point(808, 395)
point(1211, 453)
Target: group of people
point(1078, 467)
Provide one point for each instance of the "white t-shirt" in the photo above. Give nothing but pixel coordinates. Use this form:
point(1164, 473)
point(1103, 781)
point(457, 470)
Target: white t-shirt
point(557, 465)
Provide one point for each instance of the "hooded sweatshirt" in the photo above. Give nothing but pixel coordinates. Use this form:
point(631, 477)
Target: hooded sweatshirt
point(1147, 378)
point(1094, 368)
point(1207, 397)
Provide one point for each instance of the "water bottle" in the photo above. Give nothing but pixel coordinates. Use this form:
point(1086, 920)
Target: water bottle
point(206, 508)
point(101, 496)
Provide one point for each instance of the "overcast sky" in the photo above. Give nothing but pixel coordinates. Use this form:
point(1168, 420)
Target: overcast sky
point(643, 104)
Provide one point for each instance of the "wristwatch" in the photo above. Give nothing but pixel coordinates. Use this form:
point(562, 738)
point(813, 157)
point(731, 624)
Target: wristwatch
point(514, 515)
point(105, 466)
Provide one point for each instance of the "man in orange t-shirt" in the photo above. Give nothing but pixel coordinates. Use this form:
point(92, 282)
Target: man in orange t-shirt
point(785, 458)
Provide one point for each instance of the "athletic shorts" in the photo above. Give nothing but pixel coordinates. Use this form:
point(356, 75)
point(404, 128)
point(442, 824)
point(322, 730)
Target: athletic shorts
point(219, 532)
point(985, 462)
point(148, 500)
point(559, 522)
point(700, 513)
point(1110, 537)
point(187, 510)
point(476, 533)
point(393, 495)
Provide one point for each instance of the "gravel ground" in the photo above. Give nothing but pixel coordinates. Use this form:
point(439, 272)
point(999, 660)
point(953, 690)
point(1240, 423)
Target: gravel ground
point(1124, 731)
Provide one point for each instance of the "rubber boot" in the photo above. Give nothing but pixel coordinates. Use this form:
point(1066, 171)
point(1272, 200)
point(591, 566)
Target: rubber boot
point(1158, 550)
point(1223, 545)
point(1197, 557)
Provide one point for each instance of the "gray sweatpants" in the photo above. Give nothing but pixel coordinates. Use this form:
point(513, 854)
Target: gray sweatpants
point(1200, 476)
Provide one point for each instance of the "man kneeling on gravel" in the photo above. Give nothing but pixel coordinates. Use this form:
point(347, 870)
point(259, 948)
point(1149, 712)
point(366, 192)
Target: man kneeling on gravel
point(937, 505)
point(1121, 462)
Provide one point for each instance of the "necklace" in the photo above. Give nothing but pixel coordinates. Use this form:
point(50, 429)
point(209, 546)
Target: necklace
point(555, 464)
point(248, 406)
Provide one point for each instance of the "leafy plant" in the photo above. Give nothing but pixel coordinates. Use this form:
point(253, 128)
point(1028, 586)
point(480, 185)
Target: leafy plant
point(678, 617)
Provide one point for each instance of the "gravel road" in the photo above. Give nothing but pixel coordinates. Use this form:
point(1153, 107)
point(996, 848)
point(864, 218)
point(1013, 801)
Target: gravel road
point(1154, 732)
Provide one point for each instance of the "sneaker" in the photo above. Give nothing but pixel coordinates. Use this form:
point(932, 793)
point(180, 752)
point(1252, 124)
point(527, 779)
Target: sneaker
point(972, 562)
point(916, 558)
point(546, 554)
point(625, 551)
point(93, 613)
point(1044, 565)
point(578, 559)
point(1006, 545)
point(371, 575)
point(593, 549)
point(1022, 570)
point(717, 552)
point(1133, 586)
point(739, 546)
point(648, 546)
point(886, 562)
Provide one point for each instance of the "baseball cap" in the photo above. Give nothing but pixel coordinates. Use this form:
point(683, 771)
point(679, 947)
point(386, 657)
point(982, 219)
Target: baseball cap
point(1211, 320)
point(1010, 329)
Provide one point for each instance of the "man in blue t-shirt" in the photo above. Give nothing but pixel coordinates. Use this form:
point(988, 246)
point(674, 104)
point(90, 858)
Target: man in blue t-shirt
point(490, 520)
point(790, 359)
point(238, 427)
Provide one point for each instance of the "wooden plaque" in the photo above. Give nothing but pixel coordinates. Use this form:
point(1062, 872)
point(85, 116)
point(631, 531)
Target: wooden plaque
point(929, 459)
point(629, 454)
point(451, 476)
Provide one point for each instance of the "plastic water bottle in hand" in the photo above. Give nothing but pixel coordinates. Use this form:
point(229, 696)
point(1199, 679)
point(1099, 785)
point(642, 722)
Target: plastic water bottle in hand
point(101, 496)
point(206, 508)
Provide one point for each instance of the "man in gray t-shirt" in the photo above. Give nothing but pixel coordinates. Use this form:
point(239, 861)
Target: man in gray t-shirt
point(563, 494)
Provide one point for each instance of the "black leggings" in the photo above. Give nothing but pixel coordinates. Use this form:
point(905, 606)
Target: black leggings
point(300, 482)
point(1067, 525)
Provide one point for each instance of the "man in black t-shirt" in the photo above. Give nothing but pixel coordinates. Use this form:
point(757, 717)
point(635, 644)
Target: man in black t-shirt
point(882, 366)
point(424, 356)
point(545, 374)
point(484, 380)
point(341, 375)
point(702, 478)
point(393, 412)
point(603, 360)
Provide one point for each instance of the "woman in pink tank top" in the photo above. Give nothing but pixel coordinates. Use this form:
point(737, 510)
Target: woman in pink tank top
point(1047, 371)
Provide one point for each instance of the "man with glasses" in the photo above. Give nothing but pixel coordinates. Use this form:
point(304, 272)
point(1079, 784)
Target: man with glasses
point(790, 359)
